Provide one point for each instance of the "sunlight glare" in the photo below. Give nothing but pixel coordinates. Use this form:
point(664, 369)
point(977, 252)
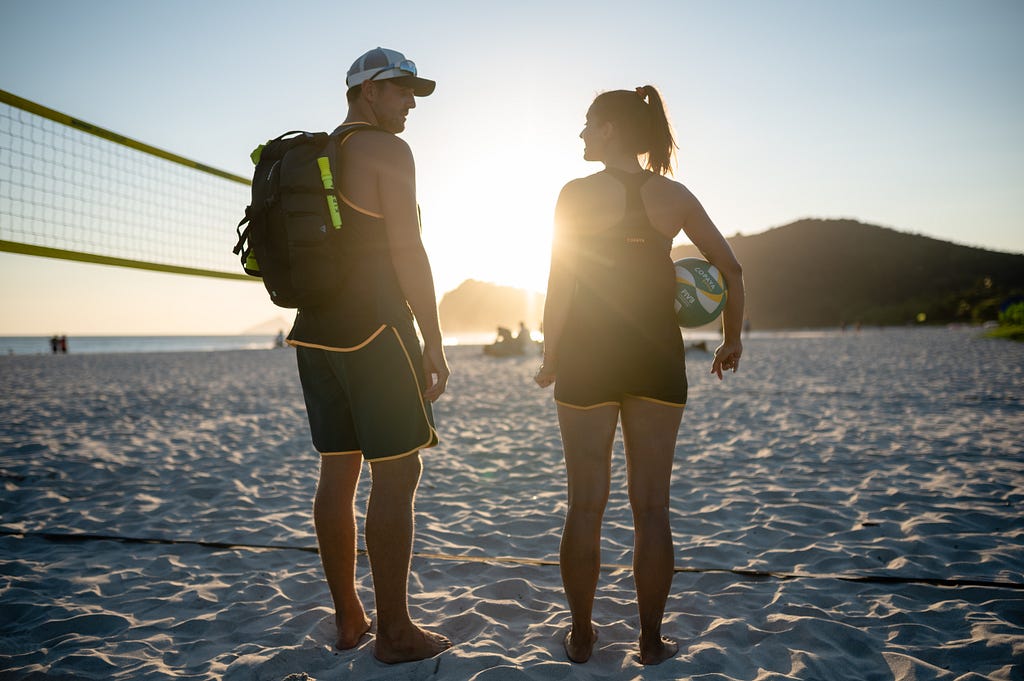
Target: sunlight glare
point(497, 227)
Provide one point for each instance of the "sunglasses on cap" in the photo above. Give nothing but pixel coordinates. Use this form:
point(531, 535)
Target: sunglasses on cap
point(405, 65)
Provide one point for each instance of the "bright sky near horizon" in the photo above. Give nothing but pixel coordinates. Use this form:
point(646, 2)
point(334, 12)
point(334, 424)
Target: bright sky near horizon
point(903, 114)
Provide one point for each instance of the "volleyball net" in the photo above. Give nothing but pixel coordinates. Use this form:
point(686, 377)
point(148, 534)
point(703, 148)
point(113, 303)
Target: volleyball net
point(72, 190)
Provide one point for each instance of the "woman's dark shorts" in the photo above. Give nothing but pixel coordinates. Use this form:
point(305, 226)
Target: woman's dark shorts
point(605, 370)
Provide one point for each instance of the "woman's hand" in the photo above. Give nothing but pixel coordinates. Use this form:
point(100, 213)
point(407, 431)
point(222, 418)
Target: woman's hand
point(545, 375)
point(727, 357)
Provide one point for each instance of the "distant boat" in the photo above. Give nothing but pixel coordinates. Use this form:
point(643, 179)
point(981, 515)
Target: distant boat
point(512, 347)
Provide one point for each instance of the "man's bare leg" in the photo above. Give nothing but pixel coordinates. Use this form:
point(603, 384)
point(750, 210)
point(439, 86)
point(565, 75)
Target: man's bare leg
point(389, 535)
point(587, 437)
point(649, 431)
point(334, 517)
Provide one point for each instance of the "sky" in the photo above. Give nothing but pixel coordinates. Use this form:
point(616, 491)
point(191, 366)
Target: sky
point(902, 114)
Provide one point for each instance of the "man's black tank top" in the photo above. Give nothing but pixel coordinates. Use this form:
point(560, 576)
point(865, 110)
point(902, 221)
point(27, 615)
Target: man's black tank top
point(369, 296)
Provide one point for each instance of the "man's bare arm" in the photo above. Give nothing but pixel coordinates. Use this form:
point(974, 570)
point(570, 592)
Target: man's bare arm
point(397, 190)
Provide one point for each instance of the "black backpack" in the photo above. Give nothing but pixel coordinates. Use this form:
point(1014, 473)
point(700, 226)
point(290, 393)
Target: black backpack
point(293, 224)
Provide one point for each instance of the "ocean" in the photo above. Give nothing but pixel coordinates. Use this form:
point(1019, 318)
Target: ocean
point(40, 345)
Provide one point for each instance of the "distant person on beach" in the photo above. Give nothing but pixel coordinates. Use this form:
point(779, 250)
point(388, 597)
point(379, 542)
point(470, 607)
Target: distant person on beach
point(613, 347)
point(523, 337)
point(55, 344)
point(366, 382)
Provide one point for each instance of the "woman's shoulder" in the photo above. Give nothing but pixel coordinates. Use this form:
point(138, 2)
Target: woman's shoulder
point(665, 184)
point(581, 183)
point(586, 202)
point(665, 189)
point(583, 187)
point(669, 204)
point(601, 181)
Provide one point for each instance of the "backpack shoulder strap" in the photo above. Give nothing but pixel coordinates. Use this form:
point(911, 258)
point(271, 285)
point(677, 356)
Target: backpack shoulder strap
point(342, 132)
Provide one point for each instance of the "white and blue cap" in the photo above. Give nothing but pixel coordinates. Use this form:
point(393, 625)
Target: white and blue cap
point(383, 64)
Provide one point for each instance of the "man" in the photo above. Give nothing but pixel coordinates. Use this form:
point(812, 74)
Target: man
point(366, 383)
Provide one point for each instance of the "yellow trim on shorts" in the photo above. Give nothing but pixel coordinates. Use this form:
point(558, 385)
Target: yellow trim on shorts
point(304, 344)
point(398, 456)
point(657, 401)
point(383, 458)
point(423, 407)
point(592, 406)
point(619, 404)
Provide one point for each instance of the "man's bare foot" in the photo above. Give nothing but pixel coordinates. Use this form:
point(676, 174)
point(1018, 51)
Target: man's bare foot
point(350, 634)
point(578, 648)
point(413, 644)
point(657, 651)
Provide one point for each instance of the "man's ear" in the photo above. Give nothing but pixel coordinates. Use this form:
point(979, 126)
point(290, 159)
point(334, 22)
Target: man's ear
point(369, 90)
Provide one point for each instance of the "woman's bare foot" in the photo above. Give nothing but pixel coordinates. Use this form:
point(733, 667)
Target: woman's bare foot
point(351, 633)
point(578, 648)
point(410, 645)
point(658, 650)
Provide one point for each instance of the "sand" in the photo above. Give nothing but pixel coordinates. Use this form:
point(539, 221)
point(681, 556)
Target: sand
point(848, 506)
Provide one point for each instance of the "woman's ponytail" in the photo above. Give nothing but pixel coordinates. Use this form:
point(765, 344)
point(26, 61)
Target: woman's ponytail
point(661, 143)
point(639, 117)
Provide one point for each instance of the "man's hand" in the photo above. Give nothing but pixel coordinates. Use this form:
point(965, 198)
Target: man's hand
point(436, 372)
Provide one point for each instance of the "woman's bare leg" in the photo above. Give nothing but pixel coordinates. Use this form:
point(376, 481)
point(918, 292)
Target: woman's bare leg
point(587, 437)
point(649, 432)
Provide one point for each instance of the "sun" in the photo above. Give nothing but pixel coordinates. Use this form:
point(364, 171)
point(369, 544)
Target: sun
point(497, 228)
point(489, 193)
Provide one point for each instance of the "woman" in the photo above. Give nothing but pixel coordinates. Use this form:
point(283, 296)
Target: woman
point(612, 347)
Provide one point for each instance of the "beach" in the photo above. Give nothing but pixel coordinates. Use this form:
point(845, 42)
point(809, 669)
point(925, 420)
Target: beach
point(847, 506)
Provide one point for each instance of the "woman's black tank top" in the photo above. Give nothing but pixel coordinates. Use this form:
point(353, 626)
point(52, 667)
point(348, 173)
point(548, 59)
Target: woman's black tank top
point(626, 280)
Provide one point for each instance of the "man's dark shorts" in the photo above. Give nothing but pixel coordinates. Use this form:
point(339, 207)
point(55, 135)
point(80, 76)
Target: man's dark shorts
point(368, 399)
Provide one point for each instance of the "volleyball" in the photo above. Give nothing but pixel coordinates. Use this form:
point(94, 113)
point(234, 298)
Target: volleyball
point(700, 292)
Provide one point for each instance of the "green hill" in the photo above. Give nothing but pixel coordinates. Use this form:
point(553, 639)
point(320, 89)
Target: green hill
point(815, 273)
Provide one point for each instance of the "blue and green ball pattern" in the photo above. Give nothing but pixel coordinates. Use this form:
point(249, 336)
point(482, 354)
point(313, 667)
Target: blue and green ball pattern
point(700, 292)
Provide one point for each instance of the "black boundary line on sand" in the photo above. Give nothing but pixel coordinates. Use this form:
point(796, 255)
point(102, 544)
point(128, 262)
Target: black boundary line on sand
point(750, 574)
